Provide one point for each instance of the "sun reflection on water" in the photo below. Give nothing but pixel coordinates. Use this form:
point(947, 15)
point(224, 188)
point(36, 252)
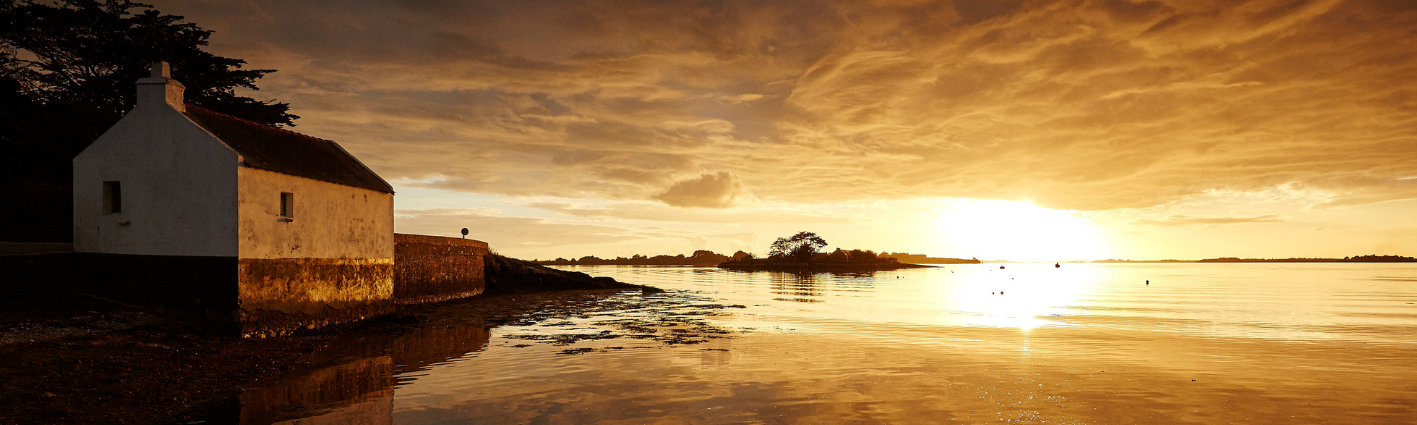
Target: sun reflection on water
point(1021, 295)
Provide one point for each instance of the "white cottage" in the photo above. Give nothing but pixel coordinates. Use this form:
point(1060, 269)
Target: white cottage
point(181, 207)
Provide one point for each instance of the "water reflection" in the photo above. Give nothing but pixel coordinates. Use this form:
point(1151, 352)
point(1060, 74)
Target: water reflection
point(1023, 296)
point(357, 385)
point(359, 391)
point(796, 287)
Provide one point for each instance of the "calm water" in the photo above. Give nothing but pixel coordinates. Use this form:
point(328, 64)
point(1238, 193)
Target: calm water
point(1253, 343)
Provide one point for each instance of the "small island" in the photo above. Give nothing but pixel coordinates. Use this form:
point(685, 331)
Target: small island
point(800, 253)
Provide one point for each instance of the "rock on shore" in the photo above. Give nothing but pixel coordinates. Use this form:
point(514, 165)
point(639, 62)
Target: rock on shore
point(509, 275)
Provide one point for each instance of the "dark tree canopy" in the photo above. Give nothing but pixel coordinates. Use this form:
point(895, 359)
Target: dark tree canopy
point(67, 74)
point(86, 54)
point(802, 246)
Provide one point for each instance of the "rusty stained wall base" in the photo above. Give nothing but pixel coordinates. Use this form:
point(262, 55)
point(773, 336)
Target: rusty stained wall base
point(282, 295)
point(434, 269)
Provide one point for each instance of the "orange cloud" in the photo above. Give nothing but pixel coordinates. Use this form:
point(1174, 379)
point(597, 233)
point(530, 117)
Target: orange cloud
point(720, 190)
point(1072, 104)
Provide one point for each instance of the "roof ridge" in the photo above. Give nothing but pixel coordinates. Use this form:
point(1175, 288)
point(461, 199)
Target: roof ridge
point(256, 123)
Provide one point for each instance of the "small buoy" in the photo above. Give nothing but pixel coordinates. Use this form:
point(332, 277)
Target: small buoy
point(1056, 265)
point(1001, 267)
point(1148, 282)
point(1001, 292)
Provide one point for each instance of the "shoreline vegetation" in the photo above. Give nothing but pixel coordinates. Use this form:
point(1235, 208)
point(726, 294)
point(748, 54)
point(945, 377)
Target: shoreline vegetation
point(798, 253)
point(706, 258)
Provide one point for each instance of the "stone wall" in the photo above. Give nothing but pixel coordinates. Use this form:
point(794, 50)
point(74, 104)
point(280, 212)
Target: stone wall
point(283, 295)
point(433, 269)
point(258, 297)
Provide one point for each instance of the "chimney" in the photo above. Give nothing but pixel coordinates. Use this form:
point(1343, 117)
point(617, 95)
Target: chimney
point(160, 88)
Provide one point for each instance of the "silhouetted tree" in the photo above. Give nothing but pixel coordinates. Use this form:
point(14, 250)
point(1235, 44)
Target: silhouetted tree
point(801, 246)
point(67, 74)
point(705, 257)
point(859, 256)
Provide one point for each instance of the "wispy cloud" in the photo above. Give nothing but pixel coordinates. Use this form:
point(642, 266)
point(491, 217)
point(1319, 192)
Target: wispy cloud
point(1182, 220)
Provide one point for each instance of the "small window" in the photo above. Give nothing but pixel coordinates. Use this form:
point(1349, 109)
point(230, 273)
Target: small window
point(112, 197)
point(287, 204)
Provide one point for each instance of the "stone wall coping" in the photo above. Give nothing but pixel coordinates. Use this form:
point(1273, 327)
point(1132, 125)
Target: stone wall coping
point(437, 240)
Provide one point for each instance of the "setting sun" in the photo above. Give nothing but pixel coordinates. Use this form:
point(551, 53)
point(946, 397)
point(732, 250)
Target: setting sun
point(1016, 230)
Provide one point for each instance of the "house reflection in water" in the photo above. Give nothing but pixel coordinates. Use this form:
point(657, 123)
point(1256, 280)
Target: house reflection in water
point(357, 387)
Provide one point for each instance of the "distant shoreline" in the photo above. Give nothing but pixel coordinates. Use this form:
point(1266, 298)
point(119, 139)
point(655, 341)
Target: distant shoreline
point(1227, 260)
point(1357, 259)
point(759, 266)
point(667, 261)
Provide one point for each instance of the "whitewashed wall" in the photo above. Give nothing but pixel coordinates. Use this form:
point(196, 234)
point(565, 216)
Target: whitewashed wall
point(330, 220)
point(178, 188)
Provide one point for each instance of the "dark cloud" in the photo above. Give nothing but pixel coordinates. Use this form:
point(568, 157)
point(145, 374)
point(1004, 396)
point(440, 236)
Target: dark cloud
point(720, 190)
point(1181, 220)
point(1075, 104)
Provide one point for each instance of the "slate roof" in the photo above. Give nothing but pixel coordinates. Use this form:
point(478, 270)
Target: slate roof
point(287, 152)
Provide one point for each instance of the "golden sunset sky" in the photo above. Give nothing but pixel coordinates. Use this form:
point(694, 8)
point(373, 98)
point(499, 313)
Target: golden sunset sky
point(1022, 130)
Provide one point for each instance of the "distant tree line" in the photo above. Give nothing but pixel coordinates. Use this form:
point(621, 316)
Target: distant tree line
point(839, 256)
point(805, 247)
point(698, 258)
point(800, 253)
point(1372, 258)
point(925, 259)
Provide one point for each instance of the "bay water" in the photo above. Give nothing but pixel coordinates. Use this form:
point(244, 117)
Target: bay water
point(1021, 343)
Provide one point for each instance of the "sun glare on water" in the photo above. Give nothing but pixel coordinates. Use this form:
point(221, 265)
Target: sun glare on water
point(1023, 296)
point(1015, 231)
